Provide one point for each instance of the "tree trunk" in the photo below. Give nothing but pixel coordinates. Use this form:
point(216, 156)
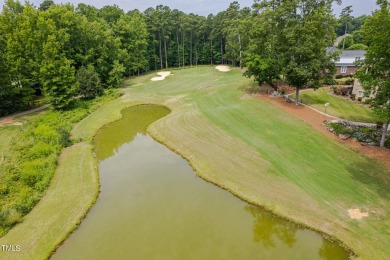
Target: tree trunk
point(196, 55)
point(184, 63)
point(221, 51)
point(155, 60)
point(211, 51)
point(178, 47)
point(384, 133)
point(239, 40)
point(296, 96)
point(161, 62)
point(166, 53)
point(191, 49)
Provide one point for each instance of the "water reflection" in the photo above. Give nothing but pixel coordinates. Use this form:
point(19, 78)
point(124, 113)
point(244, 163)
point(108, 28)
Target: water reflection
point(267, 228)
point(136, 121)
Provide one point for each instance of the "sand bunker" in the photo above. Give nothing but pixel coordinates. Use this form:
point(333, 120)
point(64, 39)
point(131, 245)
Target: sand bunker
point(357, 214)
point(162, 75)
point(223, 68)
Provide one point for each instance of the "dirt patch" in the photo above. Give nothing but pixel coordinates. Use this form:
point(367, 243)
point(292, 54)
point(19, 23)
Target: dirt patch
point(10, 121)
point(6, 121)
point(357, 214)
point(162, 75)
point(223, 68)
point(317, 121)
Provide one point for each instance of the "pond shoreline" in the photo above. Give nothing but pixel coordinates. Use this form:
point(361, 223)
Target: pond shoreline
point(156, 137)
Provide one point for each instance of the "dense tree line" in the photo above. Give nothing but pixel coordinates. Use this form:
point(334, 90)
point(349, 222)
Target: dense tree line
point(48, 49)
point(65, 51)
point(42, 50)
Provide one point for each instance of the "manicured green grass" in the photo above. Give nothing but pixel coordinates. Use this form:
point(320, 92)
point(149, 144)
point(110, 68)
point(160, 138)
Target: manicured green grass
point(258, 152)
point(339, 107)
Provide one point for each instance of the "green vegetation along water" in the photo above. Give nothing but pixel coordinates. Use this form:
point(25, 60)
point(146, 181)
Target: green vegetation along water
point(153, 206)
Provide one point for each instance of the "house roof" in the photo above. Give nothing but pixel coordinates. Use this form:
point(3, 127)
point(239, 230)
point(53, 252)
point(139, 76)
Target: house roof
point(348, 57)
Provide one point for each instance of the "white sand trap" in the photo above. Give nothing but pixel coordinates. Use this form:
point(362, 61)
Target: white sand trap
point(357, 214)
point(223, 68)
point(162, 75)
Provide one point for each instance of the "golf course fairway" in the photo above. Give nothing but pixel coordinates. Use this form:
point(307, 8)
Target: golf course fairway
point(259, 153)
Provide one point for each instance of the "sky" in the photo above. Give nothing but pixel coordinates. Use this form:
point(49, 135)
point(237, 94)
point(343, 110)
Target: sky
point(202, 7)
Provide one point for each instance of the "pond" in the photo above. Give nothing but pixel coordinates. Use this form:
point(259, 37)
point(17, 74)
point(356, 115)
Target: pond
point(152, 205)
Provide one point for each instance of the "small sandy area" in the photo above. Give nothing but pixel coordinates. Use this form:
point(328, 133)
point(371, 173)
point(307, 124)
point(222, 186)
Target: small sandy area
point(162, 75)
point(223, 68)
point(357, 214)
point(9, 121)
point(6, 121)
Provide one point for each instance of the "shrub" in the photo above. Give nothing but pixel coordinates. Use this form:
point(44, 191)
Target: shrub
point(365, 134)
point(64, 138)
point(387, 143)
point(89, 82)
point(337, 90)
point(329, 81)
point(349, 81)
point(42, 150)
point(340, 129)
point(353, 96)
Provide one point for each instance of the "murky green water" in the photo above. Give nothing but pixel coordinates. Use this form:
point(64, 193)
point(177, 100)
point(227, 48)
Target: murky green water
point(153, 206)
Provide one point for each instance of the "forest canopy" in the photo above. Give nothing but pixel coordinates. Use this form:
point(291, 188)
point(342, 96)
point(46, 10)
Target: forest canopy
point(59, 50)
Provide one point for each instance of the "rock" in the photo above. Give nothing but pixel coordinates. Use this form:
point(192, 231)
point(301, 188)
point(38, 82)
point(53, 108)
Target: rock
point(368, 143)
point(344, 137)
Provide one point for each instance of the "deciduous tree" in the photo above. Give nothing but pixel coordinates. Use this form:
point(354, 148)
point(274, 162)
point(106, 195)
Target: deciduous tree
point(375, 72)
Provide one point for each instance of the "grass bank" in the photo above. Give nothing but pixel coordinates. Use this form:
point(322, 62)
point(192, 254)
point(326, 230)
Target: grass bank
point(261, 154)
point(339, 107)
point(72, 191)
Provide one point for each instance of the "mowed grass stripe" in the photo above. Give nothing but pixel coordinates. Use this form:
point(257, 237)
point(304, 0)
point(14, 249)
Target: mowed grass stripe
point(72, 191)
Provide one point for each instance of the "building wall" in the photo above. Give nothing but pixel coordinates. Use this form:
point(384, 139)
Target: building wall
point(359, 91)
point(350, 70)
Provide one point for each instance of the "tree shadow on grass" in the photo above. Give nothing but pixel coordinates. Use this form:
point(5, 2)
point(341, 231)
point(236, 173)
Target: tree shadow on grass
point(375, 177)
